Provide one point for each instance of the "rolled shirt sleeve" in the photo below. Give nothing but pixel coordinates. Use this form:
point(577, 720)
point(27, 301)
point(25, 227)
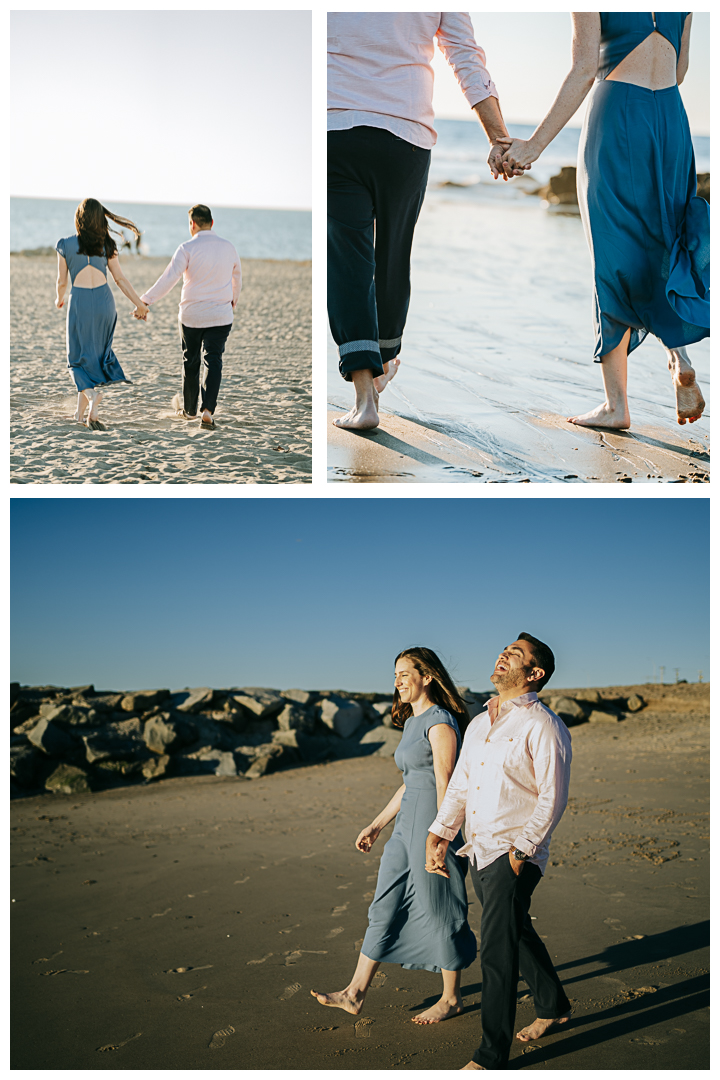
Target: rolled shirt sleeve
point(456, 40)
point(168, 279)
point(551, 761)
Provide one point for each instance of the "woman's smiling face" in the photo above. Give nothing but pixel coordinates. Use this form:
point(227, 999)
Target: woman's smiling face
point(409, 683)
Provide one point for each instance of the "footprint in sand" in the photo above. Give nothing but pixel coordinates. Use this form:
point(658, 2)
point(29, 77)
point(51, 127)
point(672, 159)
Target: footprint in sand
point(335, 932)
point(183, 970)
point(289, 991)
point(378, 980)
point(241, 881)
point(362, 1027)
point(116, 1046)
point(339, 910)
point(65, 971)
point(219, 1038)
point(191, 993)
point(261, 960)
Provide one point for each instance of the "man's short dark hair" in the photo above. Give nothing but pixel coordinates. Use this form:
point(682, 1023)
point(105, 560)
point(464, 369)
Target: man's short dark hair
point(542, 655)
point(201, 215)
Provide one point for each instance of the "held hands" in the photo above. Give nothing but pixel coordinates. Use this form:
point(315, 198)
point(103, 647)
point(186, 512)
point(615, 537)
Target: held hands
point(518, 154)
point(367, 838)
point(141, 311)
point(435, 852)
point(498, 167)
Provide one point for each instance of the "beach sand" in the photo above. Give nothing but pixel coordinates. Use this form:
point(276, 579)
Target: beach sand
point(497, 352)
point(147, 920)
point(263, 415)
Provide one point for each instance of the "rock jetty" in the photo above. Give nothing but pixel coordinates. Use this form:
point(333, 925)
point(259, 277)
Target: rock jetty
point(77, 739)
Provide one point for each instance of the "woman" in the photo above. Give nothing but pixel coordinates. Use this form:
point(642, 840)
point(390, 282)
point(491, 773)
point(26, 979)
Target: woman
point(417, 919)
point(91, 314)
point(648, 231)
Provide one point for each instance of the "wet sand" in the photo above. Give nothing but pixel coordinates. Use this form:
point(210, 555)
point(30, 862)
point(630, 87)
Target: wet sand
point(146, 920)
point(263, 414)
point(497, 352)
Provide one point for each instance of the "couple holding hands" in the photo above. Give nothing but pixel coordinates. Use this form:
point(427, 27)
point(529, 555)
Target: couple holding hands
point(647, 229)
point(210, 269)
point(505, 774)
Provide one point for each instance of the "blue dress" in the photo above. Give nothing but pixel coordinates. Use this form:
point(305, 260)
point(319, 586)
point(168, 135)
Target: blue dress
point(647, 229)
point(91, 318)
point(418, 919)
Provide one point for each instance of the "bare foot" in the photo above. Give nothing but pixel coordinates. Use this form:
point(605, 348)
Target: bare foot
point(342, 1000)
point(538, 1028)
point(471, 1065)
point(382, 380)
point(441, 1010)
point(688, 399)
point(603, 417)
point(359, 419)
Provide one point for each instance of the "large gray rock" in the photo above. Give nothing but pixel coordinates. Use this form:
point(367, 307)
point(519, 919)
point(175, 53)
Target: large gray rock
point(263, 759)
point(192, 701)
point(143, 700)
point(568, 709)
point(592, 697)
point(385, 740)
point(295, 718)
point(68, 780)
point(163, 735)
point(300, 697)
point(380, 710)
point(50, 738)
point(25, 761)
point(261, 703)
point(341, 716)
point(206, 762)
point(599, 716)
point(70, 715)
point(635, 703)
point(110, 702)
point(155, 767)
point(107, 745)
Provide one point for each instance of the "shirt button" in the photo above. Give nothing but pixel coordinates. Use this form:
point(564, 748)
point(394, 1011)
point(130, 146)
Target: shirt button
point(473, 811)
point(510, 740)
point(482, 762)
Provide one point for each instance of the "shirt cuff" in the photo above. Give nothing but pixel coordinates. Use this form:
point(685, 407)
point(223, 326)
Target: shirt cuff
point(474, 97)
point(442, 830)
point(145, 300)
point(524, 845)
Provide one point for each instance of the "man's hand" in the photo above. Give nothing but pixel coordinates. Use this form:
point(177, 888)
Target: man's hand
point(498, 167)
point(517, 864)
point(435, 852)
point(519, 154)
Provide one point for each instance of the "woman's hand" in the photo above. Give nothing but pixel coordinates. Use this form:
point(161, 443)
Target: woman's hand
point(141, 311)
point(367, 838)
point(519, 154)
point(59, 302)
point(497, 164)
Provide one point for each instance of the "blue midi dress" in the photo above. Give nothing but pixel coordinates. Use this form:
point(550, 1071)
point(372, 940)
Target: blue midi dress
point(418, 919)
point(91, 319)
point(647, 229)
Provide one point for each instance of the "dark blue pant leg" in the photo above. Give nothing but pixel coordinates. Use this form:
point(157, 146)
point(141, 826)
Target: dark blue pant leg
point(202, 344)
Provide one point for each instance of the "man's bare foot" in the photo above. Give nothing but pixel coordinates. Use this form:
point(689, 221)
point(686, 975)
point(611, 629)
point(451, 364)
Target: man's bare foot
point(471, 1065)
point(603, 417)
point(359, 419)
point(538, 1028)
point(688, 399)
point(391, 371)
point(441, 1010)
point(342, 1000)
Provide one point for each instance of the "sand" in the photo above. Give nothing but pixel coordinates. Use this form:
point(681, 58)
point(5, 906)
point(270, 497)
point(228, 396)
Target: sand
point(263, 414)
point(147, 920)
point(497, 352)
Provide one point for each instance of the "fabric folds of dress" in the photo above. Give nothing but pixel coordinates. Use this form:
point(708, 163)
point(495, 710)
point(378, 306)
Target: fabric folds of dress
point(418, 919)
point(647, 229)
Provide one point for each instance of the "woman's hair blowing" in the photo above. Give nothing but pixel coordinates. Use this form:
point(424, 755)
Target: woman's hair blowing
point(93, 231)
point(442, 691)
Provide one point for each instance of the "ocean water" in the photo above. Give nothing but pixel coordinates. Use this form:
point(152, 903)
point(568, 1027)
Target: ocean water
point(460, 155)
point(257, 234)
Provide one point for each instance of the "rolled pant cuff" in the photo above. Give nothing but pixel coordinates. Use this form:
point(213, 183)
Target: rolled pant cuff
point(362, 360)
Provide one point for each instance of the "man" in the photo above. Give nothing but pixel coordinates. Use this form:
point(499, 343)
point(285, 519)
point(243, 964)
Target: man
point(380, 133)
point(210, 269)
point(510, 786)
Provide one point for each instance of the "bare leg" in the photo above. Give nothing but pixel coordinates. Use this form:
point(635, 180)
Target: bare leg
point(688, 399)
point(82, 404)
point(450, 1004)
point(364, 413)
point(614, 412)
point(351, 998)
point(391, 370)
point(95, 405)
point(538, 1028)
point(471, 1065)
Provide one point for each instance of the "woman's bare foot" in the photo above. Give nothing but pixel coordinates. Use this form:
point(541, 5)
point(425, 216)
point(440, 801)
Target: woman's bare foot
point(603, 417)
point(441, 1010)
point(391, 370)
point(344, 999)
point(688, 399)
point(538, 1028)
point(359, 419)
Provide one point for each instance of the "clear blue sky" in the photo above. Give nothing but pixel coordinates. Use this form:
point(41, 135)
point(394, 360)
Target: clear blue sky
point(322, 593)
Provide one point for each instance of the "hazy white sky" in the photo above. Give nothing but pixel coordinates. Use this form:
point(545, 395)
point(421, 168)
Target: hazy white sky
point(528, 56)
point(162, 106)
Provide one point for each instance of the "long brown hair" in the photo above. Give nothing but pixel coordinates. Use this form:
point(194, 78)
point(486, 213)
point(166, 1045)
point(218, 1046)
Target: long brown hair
point(442, 691)
point(93, 231)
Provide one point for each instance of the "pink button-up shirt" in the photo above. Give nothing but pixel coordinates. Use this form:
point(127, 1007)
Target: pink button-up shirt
point(379, 72)
point(212, 280)
point(510, 785)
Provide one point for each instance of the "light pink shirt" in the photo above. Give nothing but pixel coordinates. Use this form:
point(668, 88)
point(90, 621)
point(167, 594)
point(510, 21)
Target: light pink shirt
point(379, 72)
point(210, 269)
point(510, 785)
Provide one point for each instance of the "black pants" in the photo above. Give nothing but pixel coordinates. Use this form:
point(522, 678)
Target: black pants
point(508, 945)
point(206, 343)
point(376, 186)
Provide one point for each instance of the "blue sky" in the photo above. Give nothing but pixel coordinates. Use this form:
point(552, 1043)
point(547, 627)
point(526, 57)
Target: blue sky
point(323, 593)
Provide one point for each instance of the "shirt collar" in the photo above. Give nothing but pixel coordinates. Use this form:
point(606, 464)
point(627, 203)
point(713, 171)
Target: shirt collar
point(522, 701)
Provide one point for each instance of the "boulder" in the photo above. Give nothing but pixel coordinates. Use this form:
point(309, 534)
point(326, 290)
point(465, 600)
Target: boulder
point(592, 697)
point(155, 767)
point(295, 718)
point(300, 697)
point(635, 703)
point(191, 701)
point(68, 780)
point(27, 725)
point(70, 715)
point(112, 770)
point(562, 188)
point(341, 716)
point(569, 710)
point(25, 762)
point(106, 745)
point(162, 734)
point(143, 700)
point(379, 710)
point(50, 738)
point(131, 726)
point(110, 702)
point(384, 740)
point(261, 703)
point(207, 762)
point(599, 716)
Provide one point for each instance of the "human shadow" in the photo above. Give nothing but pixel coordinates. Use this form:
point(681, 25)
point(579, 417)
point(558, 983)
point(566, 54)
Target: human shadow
point(629, 954)
point(398, 446)
point(657, 444)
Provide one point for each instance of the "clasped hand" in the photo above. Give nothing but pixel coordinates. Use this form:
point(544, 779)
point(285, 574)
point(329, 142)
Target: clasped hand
point(510, 157)
point(141, 311)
